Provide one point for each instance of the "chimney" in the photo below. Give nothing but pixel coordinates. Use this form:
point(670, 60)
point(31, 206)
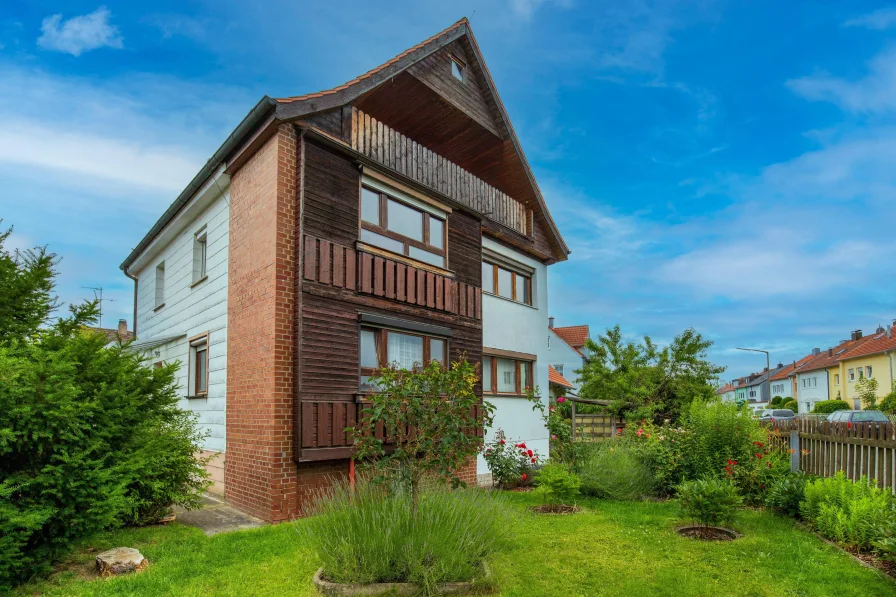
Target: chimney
point(830, 352)
point(856, 335)
point(122, 327)
point(551, 322)
point(880, 329)
point(816, 351)
point(780, 365)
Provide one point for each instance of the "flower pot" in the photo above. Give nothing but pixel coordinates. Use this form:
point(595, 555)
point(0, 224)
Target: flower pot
point(332, 589)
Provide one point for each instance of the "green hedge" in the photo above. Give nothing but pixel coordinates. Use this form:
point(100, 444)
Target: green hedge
point(828, 406)
point(791, 404)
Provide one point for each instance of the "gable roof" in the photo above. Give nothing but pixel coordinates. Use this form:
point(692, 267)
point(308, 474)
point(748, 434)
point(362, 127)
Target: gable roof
point(789, 370)
point(725, 389)
point(555, 378)
point(830, 357)
point(574, 335)
point(289, 109)
point(872, 344)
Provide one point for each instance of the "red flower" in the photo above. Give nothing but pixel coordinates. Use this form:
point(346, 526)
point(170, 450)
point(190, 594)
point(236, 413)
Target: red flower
point(561, 399)
point(530, 453)
point(503, 442)
point(524, 477)
point(762, 485)
point(640, 432)
point(730, 462)
point(757, 444)
point(758, 455)
point(521, 446)
point(534, 460)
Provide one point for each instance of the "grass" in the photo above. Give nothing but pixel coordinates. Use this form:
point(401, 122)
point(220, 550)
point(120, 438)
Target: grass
point(611, 548)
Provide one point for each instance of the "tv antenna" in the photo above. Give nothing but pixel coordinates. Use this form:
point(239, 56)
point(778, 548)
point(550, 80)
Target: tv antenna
point(98, 296)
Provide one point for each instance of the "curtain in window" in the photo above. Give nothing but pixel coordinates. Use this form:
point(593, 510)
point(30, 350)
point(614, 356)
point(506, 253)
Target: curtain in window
point(404, 350)
point(506, 376)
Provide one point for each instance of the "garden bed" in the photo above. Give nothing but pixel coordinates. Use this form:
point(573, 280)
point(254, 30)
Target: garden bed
point(399, 589)
point(707, 533)
point(555, 509)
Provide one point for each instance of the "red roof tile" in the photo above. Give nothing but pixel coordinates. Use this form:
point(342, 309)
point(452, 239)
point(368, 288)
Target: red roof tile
point(872, 344)
point(574, 335)
point(789, 370)
point(556, 378)
point(373, 71)
point(726, 388)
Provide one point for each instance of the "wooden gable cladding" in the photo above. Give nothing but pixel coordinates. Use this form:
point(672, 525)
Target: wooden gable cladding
point(470, 95)
point(332, 264)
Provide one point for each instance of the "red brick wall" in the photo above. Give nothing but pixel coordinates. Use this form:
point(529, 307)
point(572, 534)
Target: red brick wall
point(260, 474)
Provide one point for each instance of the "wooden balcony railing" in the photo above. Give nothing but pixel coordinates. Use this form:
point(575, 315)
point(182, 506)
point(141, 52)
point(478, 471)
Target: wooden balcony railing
point(393, 150)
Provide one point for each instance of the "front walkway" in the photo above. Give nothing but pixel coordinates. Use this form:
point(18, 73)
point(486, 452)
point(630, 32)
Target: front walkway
point(217, 517)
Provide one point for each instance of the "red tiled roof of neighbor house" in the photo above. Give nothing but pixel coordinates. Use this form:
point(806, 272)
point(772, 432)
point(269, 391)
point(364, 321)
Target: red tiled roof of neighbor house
point(574, 335)
point(872, 344)
point(789, 370)
point(372, 71)
point(113, 334)
point(828, 358)
point(555, 378)
point(726, 388)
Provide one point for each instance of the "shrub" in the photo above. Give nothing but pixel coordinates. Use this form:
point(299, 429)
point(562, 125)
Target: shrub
point(614, 470)
point(709, 501)
point(851, 513)
point(662, 449)
point(786, 493)
point(429, 415)
point(718, 432)
point(776, 402)
point(866, 391)
point(791, 404)
point(755, 475)
point(371, 535)
point(826, 407)
point(512, 464)
point(90, 436)
point(556, 484)
point(888, 402)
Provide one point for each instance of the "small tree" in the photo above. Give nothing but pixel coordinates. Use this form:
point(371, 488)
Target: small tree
point(776, 402)
point(429, 416)
point(866, 390)
point(888, 403)
point(791, 404)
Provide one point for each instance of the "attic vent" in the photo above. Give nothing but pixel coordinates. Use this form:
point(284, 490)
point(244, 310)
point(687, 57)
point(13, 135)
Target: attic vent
point(457, 69)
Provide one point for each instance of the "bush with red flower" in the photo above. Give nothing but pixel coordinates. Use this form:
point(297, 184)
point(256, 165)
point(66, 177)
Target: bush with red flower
point(512, 463)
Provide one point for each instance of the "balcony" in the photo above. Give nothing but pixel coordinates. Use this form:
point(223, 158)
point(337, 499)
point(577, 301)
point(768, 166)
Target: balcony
point(410, 159)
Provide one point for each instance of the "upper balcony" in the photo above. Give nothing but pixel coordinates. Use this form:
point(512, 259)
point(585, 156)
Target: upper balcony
point(394, 150)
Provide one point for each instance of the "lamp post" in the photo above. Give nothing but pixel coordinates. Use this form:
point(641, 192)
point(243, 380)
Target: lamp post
point(768, 371)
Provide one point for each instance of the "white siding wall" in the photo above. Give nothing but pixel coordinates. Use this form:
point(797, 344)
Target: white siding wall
point(561, 353)
point(511, 326)
point(191, 310)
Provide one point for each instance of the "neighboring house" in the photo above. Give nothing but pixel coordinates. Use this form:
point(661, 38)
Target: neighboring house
point(567, 350)
point(758, 389)
point(740, 389)
point(391, 219)
point(784, 381)
point(727, 393)
point(559, 384)
point(872, 357)
point(115, 334)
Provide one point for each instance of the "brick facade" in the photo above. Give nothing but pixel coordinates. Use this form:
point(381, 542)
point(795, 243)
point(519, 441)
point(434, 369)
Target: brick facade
point(260, 475)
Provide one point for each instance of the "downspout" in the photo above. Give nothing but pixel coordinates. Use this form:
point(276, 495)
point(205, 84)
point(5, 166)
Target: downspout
point(134, 278)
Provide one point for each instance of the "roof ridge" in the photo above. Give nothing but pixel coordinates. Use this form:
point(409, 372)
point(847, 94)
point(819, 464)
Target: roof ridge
point(374, 70)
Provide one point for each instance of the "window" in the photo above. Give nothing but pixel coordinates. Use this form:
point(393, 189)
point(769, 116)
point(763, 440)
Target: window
point(198, 375)
point(852, 375)
point(506, 283)
point(457, 69)
point(381, 347)
point(200, 252)
point(505, 376)
point(837, 379)
point(558, 369)
point(402, 228)
point(160, 285)
point(868, 372)
point(861, 373)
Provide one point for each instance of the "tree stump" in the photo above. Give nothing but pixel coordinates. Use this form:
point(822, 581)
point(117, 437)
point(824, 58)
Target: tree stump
point(120, 560)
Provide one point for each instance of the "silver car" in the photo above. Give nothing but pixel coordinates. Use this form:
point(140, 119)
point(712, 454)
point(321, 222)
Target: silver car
point(776, 414)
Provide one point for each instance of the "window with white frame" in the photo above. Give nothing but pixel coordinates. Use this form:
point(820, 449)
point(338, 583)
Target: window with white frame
point(852, 374)
point(200, 254)
point(868, 371)
point(160, 285)
point(383, 347)
point(505, 375)
point(837, 379)
point(198, 375)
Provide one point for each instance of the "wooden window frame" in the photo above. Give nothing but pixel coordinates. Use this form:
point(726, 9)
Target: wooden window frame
point(461, 67)
point(382, 227)
point(520, 389)
point(513, 275)
point(193, 364)
point(381, 335)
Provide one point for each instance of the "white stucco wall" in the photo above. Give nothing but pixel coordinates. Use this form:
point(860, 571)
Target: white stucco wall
point(786, 391)
point(507, 325)
point(561, 353)
point(816, 388)
point(191, 310)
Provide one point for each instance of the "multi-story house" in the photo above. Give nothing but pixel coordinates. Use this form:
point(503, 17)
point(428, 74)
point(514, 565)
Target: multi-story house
point(567, 351)
point(758, 388)
point(872, 357)
point(392, 219)
point(727, 392)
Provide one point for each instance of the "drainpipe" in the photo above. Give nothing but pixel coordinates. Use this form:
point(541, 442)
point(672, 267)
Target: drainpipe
point(134, 278)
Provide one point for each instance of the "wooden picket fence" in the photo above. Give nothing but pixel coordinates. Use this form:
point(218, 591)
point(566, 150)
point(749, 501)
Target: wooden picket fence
point(824, 448)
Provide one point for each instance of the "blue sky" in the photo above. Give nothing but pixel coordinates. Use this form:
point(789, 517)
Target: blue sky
point(727, 166)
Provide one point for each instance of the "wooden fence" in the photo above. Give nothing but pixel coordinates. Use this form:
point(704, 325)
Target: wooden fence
point(588, 427)
point(824, 448)
point(404, 155)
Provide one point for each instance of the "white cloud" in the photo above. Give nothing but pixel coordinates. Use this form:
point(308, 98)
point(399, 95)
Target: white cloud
point(79, 34)
point(883, 18)
point(876, 92)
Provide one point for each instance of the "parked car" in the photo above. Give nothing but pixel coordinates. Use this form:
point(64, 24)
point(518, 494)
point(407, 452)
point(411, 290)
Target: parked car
point(857, 416)
point(776, 414)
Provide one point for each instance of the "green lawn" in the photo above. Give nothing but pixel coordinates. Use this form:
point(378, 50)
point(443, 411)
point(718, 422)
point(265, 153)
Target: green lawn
point(612, 548)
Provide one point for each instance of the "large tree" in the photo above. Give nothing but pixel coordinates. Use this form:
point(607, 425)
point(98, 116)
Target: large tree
point(642, 380)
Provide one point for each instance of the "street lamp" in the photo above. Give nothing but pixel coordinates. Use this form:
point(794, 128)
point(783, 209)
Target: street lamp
point(768, 371)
